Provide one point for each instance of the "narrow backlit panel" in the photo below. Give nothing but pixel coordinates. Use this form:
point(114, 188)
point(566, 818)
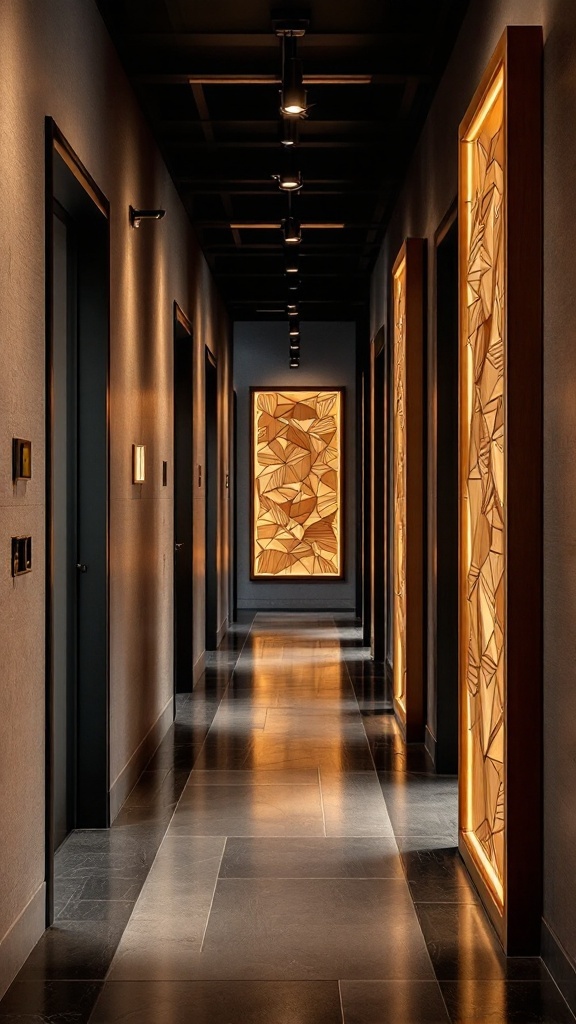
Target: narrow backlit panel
point(483, 479)
point(399, 497)
point(297, 484)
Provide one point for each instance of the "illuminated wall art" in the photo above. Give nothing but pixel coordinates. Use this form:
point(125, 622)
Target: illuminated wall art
point(500, 457)
point(297, 483)
point(408, 487)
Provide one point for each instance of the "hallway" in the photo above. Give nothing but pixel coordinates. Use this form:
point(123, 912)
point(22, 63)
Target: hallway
point(303, 870)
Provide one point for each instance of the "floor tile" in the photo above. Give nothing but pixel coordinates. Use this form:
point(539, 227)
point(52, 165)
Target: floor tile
point(181, 883)
point(307, 777)
point(221, 1002)
point(73, 950)
point(314, 928)
point(463, 946)
point(311, 858)
point(354, 805)
point(49, 1002)
point(525, 1002)
point(438, 876)
point(393, 1002)
point(249, 811)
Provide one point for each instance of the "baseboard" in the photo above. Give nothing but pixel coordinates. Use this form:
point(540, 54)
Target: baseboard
point(559, 964)
point(21, 938)
point(199, 668)
point(430, 744)
point(221, 632)
point(129, 775)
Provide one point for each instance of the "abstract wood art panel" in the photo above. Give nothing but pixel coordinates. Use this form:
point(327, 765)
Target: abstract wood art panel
point(483, 484)
point(297, 484)
point(399, 496)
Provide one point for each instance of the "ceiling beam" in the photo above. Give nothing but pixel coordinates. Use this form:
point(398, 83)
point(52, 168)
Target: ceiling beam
point(203, 112)
point(186, 78)
point(365, 41)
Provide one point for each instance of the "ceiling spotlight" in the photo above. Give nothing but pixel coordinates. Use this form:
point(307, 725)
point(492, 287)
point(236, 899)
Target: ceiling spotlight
point(289, 180)
point(294, 362)
point(293, 94)
point(295, 347)
point(292, 309)
point(293, 283)
point(139, 215)
point(289, 133)
point(291, 261)
point(294, 329)
point(291, 231)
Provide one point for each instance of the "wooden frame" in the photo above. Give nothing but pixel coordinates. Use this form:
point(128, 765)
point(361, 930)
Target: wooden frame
point(500, 225)
point(407, 394)
point(300, 578)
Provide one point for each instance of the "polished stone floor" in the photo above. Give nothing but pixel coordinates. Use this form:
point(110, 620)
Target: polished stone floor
point(285, 859)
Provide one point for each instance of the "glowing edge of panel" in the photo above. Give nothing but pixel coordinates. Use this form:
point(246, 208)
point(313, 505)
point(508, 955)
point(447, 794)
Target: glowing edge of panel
point(255, 574)
point(482, 862)
point(399, 662)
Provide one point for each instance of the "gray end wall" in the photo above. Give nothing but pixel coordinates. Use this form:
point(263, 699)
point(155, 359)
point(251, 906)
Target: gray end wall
point(328, 360)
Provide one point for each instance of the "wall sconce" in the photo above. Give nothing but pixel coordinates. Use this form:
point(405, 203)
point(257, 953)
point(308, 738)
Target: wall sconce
point(138, 463)
point(21, 459)
point(139, 215)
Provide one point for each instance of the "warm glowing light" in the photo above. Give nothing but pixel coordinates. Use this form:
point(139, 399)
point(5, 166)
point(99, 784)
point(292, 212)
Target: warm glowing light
point(138, 463)
point(483, 497)
point(297, 460)
point(399, 487)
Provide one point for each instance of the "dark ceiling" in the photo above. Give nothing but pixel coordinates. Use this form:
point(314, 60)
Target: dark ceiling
point(207, 73)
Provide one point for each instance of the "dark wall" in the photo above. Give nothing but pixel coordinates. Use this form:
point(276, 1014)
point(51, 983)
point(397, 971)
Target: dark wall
point(328, 360)
point(429, 190)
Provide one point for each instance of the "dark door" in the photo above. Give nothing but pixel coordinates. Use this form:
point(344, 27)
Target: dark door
point(443, 577)
point(233, 510)
point(77, 356)
point(211, 464)
point(64, 524)
point(183, 508)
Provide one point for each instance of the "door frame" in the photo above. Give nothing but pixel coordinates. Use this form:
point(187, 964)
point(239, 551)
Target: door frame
point(57, 144)
point(180, 319)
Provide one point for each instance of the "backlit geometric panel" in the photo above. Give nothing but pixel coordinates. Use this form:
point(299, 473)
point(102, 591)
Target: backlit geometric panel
point(297, 481)
point(399, 486)
point(483, 455)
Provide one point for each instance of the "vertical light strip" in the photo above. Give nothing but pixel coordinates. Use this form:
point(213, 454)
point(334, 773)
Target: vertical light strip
point(399, 494)
point(483, 475)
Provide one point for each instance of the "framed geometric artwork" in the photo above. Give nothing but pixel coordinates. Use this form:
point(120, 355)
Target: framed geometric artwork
point(500, 535)
point(297, 517)
point(407, 496)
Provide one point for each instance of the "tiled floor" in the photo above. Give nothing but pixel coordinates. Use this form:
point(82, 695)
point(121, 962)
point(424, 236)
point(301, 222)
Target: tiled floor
point(284, 859)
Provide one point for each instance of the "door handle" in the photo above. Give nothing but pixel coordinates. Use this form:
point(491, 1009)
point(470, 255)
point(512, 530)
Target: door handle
point(178, 546)
point(81, 567)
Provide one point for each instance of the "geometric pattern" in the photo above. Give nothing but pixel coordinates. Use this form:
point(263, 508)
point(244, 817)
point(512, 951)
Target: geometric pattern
point(484, 506)
point(297, 464)
point(399, 485)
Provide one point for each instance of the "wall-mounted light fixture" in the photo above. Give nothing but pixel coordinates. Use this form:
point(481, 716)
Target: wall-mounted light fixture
point(138, 463)
point(136, 216)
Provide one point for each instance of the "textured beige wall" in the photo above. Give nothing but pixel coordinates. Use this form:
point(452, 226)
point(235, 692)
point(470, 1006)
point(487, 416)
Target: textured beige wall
point(430, 187)
point(57, 59)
